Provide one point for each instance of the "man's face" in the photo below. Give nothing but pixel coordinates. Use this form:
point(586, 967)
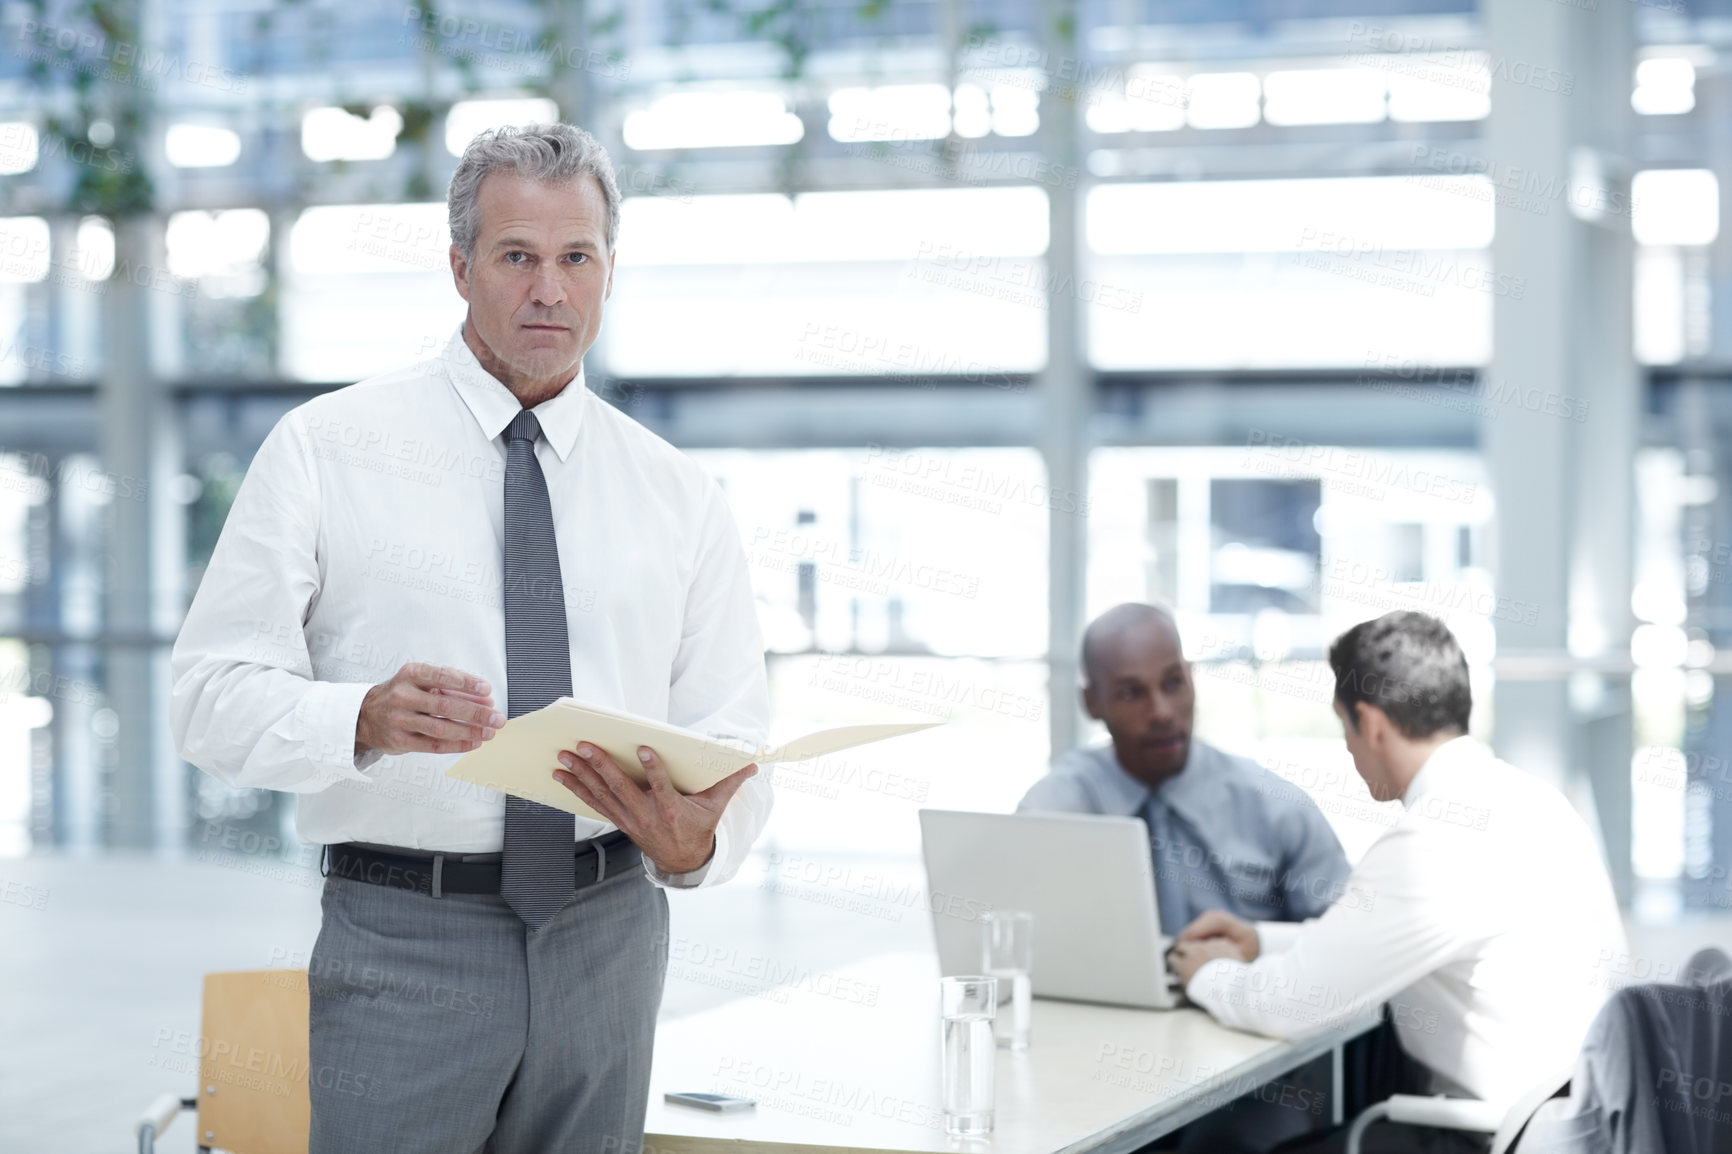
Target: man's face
point(537, 280)
point(1141, 688)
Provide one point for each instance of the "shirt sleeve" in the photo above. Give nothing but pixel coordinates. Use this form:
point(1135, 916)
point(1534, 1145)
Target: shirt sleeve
point(719, 686)
point(245, 707)
point(1273, 937)
point(1385, 932)
point(692, 879)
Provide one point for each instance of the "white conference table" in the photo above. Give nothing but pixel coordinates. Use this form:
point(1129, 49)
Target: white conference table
point(850, 1062)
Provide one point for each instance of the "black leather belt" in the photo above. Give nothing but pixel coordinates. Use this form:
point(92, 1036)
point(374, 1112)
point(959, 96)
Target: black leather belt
point(438, 874)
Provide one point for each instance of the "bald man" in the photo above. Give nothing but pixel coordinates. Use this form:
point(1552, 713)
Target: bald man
point(1225, 833)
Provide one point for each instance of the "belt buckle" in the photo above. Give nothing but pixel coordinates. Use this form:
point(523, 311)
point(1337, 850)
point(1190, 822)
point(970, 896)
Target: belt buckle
point(438, 875)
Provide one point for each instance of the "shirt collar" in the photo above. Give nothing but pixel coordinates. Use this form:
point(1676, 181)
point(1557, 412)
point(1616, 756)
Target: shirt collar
point(494, 407)
point(1197, 784)
point(1199, 787)
point(1119, 793)
point(1441, 765)
point(1191, 787)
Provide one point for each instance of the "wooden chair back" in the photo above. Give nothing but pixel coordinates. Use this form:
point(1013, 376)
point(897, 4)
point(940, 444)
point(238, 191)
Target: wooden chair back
point(253, 1063)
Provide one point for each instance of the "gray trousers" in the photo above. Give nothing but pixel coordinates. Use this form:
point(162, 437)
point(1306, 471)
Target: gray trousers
point(445, 1026)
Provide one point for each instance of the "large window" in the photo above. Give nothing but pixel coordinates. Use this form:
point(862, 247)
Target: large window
point(897, 584)
point(1268, 551)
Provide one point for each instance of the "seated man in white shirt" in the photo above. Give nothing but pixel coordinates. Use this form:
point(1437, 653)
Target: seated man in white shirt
point(1486, 915)
point(1224, 833)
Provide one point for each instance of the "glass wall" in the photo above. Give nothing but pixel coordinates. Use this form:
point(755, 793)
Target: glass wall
point(859, 202)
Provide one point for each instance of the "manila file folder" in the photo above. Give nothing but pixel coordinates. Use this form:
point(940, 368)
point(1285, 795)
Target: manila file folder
point(521, 757)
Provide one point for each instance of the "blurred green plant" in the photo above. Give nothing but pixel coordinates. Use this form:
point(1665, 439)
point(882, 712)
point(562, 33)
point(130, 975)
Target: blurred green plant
point(110, 110)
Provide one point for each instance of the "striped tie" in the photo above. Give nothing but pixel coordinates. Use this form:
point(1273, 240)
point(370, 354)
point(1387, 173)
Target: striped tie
point(537, 877)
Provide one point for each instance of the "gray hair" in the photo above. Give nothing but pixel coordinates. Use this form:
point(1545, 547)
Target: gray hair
point(550, 153)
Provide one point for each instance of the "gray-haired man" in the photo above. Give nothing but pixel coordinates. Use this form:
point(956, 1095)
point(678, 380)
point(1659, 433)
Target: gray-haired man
point(413, 559)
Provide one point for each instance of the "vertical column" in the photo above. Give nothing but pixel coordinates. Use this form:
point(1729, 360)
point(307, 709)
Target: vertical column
point(569, 84)
point(1714, 115)
point(279, 274)
point(78, 564)
point(129, 419)
point(170, 776)
point(1704, 419)
point(578, 95)
point(1067, 401)
point(1606, 425)
point(1705, 436)
point(44, 543)
point(1561, 470)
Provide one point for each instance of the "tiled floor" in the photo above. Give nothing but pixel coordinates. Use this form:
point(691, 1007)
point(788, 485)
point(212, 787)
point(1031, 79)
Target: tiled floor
point(96, 984)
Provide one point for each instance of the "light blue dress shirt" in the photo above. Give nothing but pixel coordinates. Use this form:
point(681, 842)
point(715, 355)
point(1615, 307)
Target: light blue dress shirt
point(1225, 833)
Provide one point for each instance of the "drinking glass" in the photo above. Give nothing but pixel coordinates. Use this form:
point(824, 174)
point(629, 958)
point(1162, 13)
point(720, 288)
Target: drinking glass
point(1007, 953)
point(968, 1004)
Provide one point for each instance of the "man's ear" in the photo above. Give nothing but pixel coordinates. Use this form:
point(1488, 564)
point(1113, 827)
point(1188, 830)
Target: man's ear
point(1088, 702)
point(1373, 722)
point(460, 272)
point(607, 293)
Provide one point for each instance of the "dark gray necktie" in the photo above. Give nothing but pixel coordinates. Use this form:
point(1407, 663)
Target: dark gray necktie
point(537, 875)
point(1170, 893)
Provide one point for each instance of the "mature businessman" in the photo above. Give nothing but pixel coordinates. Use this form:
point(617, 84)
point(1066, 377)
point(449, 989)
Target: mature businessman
point(411, 560)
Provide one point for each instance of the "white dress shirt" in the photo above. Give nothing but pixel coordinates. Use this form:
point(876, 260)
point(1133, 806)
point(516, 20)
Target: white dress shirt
point(369, 532)
point(1484, 917)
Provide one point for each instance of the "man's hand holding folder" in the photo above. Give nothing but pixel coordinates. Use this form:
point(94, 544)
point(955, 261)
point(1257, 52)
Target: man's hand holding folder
point(677, 831)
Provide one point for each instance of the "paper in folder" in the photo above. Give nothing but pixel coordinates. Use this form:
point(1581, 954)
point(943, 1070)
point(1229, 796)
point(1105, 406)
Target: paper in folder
point(521, 757)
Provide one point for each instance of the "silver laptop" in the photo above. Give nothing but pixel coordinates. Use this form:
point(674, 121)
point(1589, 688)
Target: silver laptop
point(1088, 880)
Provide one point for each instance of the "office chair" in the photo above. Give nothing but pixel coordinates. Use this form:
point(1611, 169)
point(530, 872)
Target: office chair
point(1469, 1114)
point(252, 1068)
point(1625, 1089)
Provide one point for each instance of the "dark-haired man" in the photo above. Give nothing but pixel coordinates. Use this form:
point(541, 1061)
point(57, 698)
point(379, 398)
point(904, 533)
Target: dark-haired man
point(1487, 916)
point(1226, 834)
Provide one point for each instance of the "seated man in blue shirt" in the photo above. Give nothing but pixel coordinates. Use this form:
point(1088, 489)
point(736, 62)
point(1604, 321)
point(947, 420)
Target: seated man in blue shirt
point(1226, 834)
